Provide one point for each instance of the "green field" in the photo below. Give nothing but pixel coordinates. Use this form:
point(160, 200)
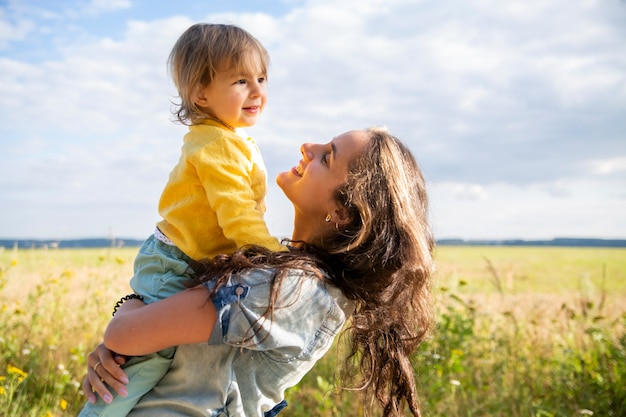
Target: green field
point(521, 332)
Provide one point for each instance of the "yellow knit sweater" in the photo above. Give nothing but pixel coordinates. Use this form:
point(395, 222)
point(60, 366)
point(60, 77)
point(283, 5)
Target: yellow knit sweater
point(214, 201)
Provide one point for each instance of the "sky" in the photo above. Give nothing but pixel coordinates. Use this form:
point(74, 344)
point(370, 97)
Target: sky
point(515, 110)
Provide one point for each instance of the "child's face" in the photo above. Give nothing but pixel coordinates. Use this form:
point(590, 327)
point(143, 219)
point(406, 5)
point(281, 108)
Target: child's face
point(234, 98)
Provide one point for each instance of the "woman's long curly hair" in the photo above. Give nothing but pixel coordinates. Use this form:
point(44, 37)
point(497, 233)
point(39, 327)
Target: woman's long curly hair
point(382, 261)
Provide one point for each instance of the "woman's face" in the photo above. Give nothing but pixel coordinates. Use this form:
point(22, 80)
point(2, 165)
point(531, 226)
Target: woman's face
point(310, 184)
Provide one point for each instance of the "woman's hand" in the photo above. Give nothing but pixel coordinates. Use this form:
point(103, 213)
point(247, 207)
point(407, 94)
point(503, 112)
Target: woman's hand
point(103, 366)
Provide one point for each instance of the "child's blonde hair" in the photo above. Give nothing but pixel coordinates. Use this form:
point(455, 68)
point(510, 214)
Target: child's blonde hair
point(202, 51)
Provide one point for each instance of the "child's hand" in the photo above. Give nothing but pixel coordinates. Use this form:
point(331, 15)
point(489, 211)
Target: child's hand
point(103, 366)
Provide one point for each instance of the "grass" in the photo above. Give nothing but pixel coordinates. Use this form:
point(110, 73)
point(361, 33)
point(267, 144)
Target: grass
point(520, 332)
point(54, 305)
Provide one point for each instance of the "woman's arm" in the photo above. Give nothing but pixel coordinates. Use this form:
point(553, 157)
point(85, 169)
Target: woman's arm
point(139, 329)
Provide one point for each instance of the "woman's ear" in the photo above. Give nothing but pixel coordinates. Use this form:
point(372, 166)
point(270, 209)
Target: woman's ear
point(341, 216)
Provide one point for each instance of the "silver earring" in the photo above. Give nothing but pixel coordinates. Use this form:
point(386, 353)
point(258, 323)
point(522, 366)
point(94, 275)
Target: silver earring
point(327, 219)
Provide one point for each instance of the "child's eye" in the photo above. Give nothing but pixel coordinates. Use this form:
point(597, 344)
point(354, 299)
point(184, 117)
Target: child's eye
point(242, 81)
point(262, 80)
point(325, 158)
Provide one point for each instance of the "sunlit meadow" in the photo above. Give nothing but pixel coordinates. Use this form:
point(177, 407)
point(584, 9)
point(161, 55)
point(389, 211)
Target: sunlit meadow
point(520, 332)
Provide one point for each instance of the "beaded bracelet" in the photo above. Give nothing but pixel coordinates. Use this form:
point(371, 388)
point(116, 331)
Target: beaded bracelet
point(125, 298)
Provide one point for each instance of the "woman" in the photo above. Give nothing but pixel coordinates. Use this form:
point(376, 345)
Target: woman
point(361, 249)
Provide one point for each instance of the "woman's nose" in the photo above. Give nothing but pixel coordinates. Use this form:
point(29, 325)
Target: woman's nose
point(307, 151)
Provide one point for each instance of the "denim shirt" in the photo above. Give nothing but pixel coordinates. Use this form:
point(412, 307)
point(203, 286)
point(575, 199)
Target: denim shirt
point(245, 372)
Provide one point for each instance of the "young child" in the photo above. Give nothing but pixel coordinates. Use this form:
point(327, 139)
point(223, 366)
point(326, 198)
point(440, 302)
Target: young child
point(213, 202)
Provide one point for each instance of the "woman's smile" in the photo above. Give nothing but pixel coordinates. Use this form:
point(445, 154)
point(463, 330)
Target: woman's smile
point(298, 169)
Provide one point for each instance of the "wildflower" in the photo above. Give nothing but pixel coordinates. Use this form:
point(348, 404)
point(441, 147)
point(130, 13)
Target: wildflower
point(456, 353)
point(585, 412)
point(13, 370)
point(25, 352)
point(455, 382)
point(61, 368)
point(63, 404)
point(13, 262)
point(68, 273)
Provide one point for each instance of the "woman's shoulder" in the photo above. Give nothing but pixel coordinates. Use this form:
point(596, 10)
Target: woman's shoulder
point(302, 291)
point(307, 311)
point(310, 278)
point(291, 281)
point(299, 290)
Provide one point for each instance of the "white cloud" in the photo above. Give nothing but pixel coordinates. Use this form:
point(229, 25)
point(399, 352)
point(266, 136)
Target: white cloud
point(100, 6)
point(463, 191)
point(608, 166)
point(509, 110)
point(11, 31)
point(580, 209)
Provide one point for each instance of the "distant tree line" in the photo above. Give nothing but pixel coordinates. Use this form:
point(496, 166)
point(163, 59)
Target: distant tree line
point(69, 243)
point(582, 242)
point(107, 243)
